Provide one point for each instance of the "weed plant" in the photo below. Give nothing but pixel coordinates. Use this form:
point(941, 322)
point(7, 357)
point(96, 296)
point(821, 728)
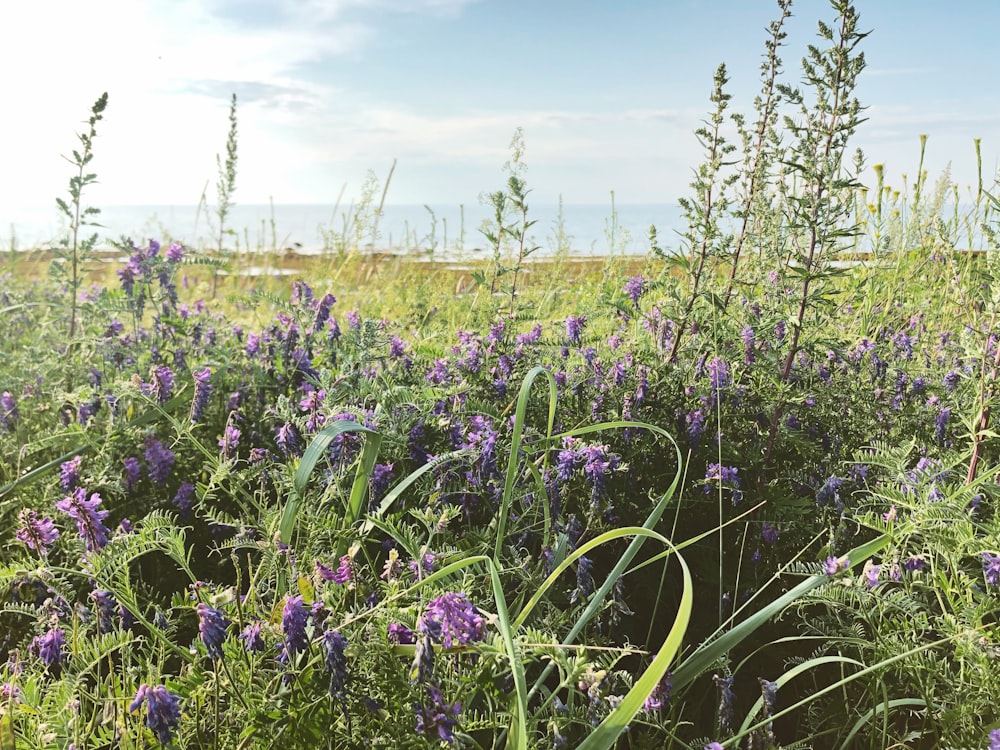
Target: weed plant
point(744, 497)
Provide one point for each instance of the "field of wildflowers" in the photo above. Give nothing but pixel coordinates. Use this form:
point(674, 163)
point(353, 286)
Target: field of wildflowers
point(741, 495)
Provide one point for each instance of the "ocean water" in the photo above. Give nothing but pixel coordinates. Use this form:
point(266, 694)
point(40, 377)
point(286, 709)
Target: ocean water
point(308, 228)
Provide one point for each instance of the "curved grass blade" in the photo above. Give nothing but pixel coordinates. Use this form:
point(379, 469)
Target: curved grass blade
point(515, 446)
point(790, 675)
point(882, 708)
point(609, 730)
point(702, 658)
point(316, 450)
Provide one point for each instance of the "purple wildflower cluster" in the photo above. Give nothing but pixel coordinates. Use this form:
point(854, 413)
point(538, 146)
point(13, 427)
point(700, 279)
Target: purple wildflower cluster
point(451, 619)
point(36, 532)
point(722, 477)
point(8, 411)
point(89, 517)
point(163, 710)
point(212, 626)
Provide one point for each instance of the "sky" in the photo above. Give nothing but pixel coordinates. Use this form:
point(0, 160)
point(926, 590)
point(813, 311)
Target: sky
point(607, 93)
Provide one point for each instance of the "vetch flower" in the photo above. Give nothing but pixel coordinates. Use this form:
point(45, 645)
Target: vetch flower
point(871, 574)
point(293, 623)
point(162, 384)
point(69, 473)
point(8, 411)
point(437, 718)
point(991, 568)
point(834, 565)
point(399, 633)
point(182, 499)
point(660, 695)
point(49, 647)
point(202, 391)
point(451, 618)
point(253, 642)
point(88, 516)
point(995, 739)
point(769, 533)
point(163, 710)
point(727, 700)
point(38, 533)
point(574, 328)
point(175, 252)
point(212, 626)
point(230, 440)
point(635, 287)
point(289, 439)
point(159, 461)
point(334, 645)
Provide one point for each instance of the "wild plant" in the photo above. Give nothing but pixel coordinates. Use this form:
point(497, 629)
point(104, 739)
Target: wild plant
point(510, 226)
point(225, 185)
point(822, 202)
point(761, 148)
point(704, 238)
point(74, 249)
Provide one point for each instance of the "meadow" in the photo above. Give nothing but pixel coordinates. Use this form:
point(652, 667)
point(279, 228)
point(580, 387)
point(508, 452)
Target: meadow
point(741, 493)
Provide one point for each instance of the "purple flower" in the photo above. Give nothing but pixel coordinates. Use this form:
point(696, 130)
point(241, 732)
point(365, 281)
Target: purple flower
point(769, 533)
point(695, 426)
point(718, 375)
point(159, 461)
point(212, 626)
point(49, 647)
point(635, 287)
point(105, 604)
point(8, 411)
point(334, 645)
point(991, 568)
point(995, 739)
point(436, 718)
point(714, 746)
point(574, 328)
point(163, 710)
point(660, 695)
point(69, 473)
point(293, 623)
point(251, 637)
point(914, 564)
point(182, 500)
point(834, 565)
point(202, 390)
point(584, 579)
point(132, 472)
point(302, 293)
point(424, 568)
point(451, 618)
point(399, 633)
point(89, 519)
point(289, 439)
point(323, 312)
point(162, 384)
point(379, 481)
point(175, 252)
point(345, 571)
point(941, 424)
point(230, 440)
point(829, 493)
point(727, 700)
point(871, 574)
point(37, 533)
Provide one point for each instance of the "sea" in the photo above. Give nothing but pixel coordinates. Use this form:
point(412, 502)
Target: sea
point(438, 230)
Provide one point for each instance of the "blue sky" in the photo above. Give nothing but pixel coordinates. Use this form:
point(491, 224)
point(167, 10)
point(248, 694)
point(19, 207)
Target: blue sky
point(608, 93)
